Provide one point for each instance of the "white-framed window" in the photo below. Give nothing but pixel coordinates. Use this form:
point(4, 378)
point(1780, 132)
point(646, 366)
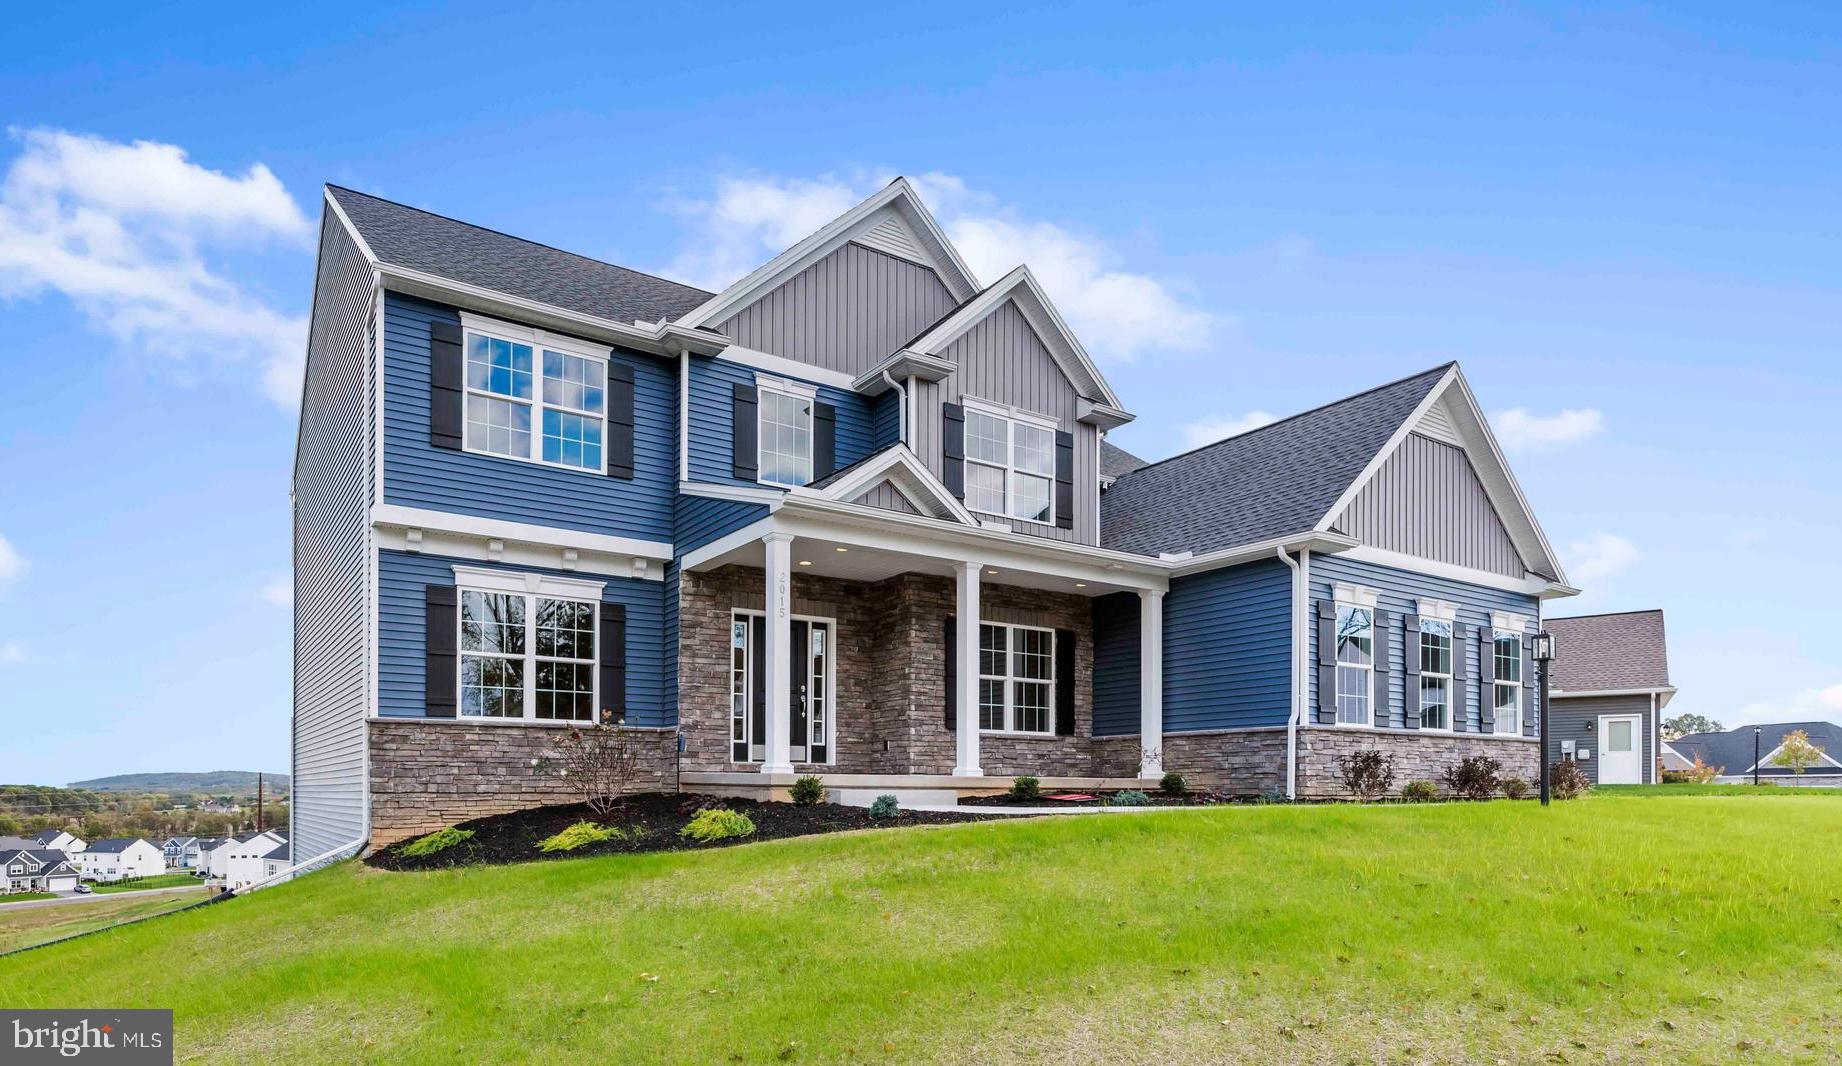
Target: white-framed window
point(1435, 674)
point(1355, 665)
point(1016, 679)
point(784, 433)
point(534, 396)
point(1010, 464)
point(527, 648)
point(1506, 694)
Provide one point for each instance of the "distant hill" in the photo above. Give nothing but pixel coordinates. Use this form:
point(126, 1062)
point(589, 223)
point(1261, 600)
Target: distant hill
point(213, 782)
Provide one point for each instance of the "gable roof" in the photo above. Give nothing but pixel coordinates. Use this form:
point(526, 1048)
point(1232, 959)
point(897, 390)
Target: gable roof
point(421, 240)
point(904, 472)
point(46, 836)
point(1732, 750)
point(1115, 460)
point(280, 852)
point(1275, 481)
point(1610, 652)
point(114, 845)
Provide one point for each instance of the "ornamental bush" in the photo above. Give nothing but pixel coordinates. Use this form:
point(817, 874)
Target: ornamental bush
point(885, 807)
point(1368, 775)
point(1131, 797)
point(1475, 777)
point(1173, 784)
point(580, 835)
point(1420, 792)
point(1567, 781)
point(808, 790)
point(1515, 787)
point(1026, 788)
point(440, 840)
point(717, 823)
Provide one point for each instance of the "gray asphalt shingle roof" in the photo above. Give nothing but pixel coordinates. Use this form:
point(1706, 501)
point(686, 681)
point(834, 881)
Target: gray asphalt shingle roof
point(1270, 482)
point(435, 244)
point(1115, 461)
point(1732, 750)
point(1601, 652)
point(113, 845)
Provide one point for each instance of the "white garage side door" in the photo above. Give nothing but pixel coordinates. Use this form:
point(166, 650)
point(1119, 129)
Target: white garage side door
point(1621, 749)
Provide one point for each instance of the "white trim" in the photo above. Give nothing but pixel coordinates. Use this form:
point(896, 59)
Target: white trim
point(1386, 451)
point(898, 195)
point(528, 583)
point(358, 238)
point(1636, 718)
point(1510, 621)
point(1355, 595)
point(539, 342)
point(1013, 418)
point(805, 400)
point(905, 471)
point(1009, 729)
point(1765, 764)
point(684, 417)
point(1531, 585)
point(831, 689)
point(528, 587)
point(523, 334)
point(1437, 610)
point(739, 493)
point(1185, 564)
point(657, 339)
point(781, 366)
point(1417, 705)
point(1518, 635)
point(804, 390)
point(399, 516)
point(1563, 694)
point(1352, 597)
point(907, 365)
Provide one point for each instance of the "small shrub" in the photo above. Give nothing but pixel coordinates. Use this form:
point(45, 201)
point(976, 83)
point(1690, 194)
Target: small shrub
point(1675, 777)
point(808, 790)
point(717, 823)
point(1026, 788)
point(1567, 781)
point(1515, 787)
point(1173, 784)
point(1131, 797)
point(440, 840)
point(1275, 795)
point(1369, 775)
point(885, 807)
point(600, 761)
point(580, 835)
point(1475, 777)
point(1420, 792)
point(1701, 773)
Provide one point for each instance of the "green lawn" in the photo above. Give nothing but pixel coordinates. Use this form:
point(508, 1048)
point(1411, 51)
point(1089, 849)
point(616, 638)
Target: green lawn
point(1612, 928)
point(156, 881)
point(22, 897)
point(1718, 790)
point(20, 926)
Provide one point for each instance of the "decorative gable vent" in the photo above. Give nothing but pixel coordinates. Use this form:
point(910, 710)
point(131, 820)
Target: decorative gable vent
point(891, 237)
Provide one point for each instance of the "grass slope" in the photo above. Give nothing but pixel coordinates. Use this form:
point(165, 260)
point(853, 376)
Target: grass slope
point(1435, 933)
point(38, 925)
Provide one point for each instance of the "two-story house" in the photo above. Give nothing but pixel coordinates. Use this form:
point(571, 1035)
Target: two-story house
point(855, 516)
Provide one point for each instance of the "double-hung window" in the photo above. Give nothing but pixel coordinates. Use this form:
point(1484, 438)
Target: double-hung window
point(1010, 465)
point(1355, 664)
point(1507, 690)
point(1016, 679)
point(527, 655)
point(785, 434)
point(1435, 674)
point(530, 396)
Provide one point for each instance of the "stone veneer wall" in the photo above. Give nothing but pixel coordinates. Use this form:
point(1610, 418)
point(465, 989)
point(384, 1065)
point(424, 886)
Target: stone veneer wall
point(890, 671)
point(426, 774)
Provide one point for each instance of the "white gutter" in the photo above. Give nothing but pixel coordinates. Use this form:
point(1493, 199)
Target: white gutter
point(1300, 589)
point(684, 416)
point(901, 408)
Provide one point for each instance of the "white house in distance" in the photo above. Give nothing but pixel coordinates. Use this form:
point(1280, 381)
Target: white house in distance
point(246, 861)
point(118, 859)
point(57, 840)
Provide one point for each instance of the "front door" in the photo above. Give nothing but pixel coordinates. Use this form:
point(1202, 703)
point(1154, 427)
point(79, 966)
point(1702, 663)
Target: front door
point(809, 666)
point(1621, 749)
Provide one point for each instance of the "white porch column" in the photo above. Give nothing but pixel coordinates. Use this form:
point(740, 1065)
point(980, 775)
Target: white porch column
point(966, 681)
point(775, 682)
point(1151, 682)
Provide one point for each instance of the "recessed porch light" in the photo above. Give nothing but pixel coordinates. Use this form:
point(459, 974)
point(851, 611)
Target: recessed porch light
point(991, 573)
point(841, 549)
point(1080, 584)
point(805, 562)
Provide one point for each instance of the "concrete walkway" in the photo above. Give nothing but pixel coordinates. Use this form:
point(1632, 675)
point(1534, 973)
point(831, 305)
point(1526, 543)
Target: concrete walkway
point(95, 896)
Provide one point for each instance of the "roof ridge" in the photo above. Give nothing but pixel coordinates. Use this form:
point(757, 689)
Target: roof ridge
point(1604, 614)
point(1441, 368)
point(515, 237)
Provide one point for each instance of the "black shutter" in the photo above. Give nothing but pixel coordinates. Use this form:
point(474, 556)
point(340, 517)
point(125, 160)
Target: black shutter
point(744, 433)
point(1064, 481)
point(951, 658)
point(824, 440)
point(1410, 659)
point(613, 663)
point(1461, 673)
point(1529, 708)
point(1486, 680)
point(447, 384)
point(1327, 662)
point(1064, 683)
point(1384, 689)
point(440, 605)
point(953, 449)
point(620, 420)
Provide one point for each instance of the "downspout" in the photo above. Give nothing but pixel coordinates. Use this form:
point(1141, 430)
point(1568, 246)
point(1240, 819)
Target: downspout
point(901, 407)
point(684, 415)
point(1299, 590)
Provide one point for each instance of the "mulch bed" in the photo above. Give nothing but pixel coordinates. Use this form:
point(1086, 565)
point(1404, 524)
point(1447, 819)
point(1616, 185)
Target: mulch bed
point(653, 820)
point(1099, 799)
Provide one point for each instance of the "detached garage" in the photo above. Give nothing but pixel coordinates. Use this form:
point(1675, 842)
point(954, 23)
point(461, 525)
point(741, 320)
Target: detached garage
point(1611, 683)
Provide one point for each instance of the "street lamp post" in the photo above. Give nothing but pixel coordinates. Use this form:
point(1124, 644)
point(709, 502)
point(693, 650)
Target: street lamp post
point(1543, 647)
point(1755, 755)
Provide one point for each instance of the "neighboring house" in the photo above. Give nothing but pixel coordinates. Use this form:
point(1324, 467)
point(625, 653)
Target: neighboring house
point(217, 862)
point(57, 840)
point(36, 870)
point(118, 859)
point(1611, 683)
point(247, 861)
point(277, 860)
point(854, 515)
point(1732, 753)
point(181, 852)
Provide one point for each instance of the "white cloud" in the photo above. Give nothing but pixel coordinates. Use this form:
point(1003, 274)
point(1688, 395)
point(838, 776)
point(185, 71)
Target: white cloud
point(1599, 557)
point(1221, 427)
point(122, 231)
point(279, 591)
point(1118, 314)
point(12, 564)
point(13, 653)
point(1810, 704)
point(1520, 429)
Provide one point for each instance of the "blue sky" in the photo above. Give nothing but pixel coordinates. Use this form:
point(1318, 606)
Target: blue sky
point(1623, 222)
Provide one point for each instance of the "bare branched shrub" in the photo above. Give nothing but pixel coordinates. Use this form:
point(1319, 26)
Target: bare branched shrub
point(600, 761)
point(1369, 775)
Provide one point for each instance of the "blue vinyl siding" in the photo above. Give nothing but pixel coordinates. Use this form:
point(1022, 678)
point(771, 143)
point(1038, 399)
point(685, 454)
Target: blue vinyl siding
point(418, 474)
point(402, 576)
point(886, 420)
point(1228, 647)
point(702, 520)
point(1116, 635)
point(1400, 589)
point(712, 422)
